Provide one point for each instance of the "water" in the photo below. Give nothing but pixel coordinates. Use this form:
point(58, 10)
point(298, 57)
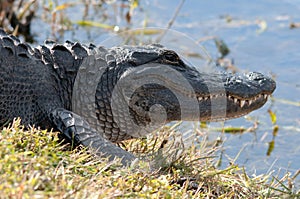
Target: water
point(274, 51)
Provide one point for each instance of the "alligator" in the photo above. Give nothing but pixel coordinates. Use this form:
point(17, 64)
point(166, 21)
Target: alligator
point(96, 96)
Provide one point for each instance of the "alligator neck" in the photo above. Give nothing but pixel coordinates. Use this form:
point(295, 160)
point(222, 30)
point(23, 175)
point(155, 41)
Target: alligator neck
point(65, 60)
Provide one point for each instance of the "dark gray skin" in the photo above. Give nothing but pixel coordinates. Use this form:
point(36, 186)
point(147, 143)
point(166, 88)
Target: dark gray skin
point(139, 90)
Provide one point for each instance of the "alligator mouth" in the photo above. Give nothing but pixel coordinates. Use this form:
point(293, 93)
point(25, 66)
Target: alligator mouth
point(233, 106)
point(238, 101)
point(248, 102)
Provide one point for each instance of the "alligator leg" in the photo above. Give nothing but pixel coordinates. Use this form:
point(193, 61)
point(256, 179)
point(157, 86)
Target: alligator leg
point(78, 131)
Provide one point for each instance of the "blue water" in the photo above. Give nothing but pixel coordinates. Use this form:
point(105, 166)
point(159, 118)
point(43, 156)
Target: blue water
point(274, 50)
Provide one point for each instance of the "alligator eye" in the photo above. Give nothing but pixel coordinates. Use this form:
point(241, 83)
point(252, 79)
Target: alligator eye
point(171, 57)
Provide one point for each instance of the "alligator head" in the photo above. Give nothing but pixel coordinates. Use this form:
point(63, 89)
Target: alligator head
point(152, 85)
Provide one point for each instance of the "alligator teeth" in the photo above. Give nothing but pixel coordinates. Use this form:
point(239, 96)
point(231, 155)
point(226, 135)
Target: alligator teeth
point(235, 100)
point(203, 98)
point(250, 102)
point(242, 103)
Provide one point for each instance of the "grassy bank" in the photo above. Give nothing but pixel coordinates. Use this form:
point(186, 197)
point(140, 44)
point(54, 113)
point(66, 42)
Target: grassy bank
point(35, 164)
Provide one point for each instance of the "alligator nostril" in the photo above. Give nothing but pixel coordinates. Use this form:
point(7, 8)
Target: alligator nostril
point(255, 76)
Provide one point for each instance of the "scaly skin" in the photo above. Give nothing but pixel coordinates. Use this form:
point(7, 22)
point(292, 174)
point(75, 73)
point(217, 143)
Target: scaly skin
point(95, 96)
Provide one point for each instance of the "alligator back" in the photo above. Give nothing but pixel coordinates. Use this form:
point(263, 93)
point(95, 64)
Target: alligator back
point(20, 73)
point(34, 81)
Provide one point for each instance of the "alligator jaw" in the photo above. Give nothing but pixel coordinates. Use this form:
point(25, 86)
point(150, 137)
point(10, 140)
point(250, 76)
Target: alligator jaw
point(214, 97)
point(236, 100)
point(240, 106)
point(232, 96)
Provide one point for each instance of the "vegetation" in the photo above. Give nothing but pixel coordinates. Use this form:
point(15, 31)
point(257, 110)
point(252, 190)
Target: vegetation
point(35, 164)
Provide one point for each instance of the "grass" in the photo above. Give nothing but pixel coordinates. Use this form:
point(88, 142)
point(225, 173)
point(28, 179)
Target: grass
point(35, 164)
